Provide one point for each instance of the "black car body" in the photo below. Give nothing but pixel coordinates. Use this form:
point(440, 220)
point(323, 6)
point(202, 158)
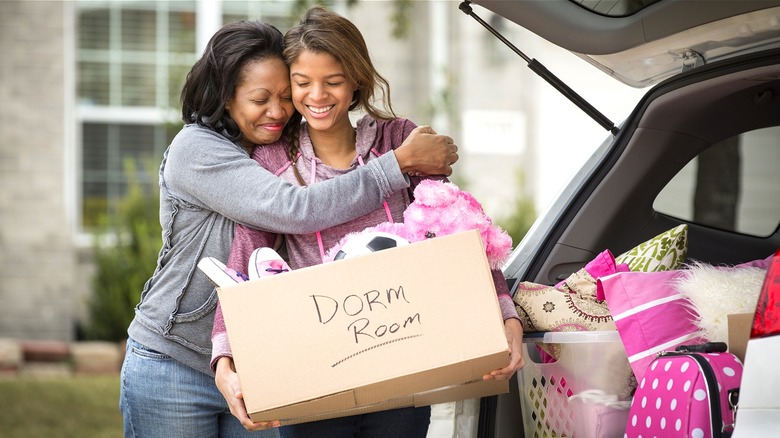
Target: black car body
point(713, 109)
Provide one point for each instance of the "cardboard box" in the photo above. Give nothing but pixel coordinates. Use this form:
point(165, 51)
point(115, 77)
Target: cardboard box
point(739, 325)
point(414, 325)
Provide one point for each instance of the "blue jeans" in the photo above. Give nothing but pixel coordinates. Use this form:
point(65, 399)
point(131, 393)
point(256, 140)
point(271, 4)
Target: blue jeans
point(397, 423)
point(161, 397)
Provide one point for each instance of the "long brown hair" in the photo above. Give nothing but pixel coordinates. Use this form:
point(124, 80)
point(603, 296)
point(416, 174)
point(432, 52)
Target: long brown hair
point(323, 31)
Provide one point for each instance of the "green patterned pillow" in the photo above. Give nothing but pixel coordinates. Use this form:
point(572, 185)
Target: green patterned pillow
point(663, 252)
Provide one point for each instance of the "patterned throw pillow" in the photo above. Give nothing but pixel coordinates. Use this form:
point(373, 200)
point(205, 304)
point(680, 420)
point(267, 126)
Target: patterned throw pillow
point(546, 309)
point(572, 304)
point(663, 252)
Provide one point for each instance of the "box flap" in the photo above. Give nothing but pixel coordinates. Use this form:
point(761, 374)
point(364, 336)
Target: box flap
point(467, 391)
point(477, 389)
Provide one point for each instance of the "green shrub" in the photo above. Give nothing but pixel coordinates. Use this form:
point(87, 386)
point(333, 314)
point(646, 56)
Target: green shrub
point(125, 253)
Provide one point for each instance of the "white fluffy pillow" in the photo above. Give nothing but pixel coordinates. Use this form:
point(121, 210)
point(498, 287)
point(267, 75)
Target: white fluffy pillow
point(716, 291)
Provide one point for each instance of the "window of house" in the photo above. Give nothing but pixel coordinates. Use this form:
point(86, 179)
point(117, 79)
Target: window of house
point(734, 185)
point(132, 58)
point(277, 13)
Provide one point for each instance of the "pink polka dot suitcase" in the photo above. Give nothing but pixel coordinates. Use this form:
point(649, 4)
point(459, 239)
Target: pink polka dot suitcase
point(687, 393)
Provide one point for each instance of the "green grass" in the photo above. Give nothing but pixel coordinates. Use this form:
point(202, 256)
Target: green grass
point(84, 407)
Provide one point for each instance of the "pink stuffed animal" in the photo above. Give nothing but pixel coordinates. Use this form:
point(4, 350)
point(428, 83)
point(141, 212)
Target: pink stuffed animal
point(439, 209)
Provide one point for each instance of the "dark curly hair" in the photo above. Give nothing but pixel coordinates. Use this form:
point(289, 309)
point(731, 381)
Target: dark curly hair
point(213, 79)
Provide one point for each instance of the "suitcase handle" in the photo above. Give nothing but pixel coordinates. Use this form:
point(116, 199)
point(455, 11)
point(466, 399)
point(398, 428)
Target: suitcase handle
point(709, 347)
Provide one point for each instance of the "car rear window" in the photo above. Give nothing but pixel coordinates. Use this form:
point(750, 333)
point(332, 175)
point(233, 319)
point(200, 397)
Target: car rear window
point(734, 185)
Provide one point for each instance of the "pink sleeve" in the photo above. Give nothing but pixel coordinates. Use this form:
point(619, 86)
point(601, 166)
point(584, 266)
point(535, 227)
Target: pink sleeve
point(220, 346)
point(245, 241)
point(508, 310)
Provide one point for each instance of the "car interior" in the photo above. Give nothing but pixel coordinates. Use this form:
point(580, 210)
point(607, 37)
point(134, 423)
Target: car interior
point(670, 128)
point(643, 180)
point(615, 203)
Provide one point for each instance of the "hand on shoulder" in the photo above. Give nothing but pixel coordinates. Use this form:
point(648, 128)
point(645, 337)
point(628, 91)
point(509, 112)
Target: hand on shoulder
point(424, 152)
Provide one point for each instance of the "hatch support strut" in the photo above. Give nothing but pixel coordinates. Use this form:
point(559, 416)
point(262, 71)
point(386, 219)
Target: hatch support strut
point(548, 76)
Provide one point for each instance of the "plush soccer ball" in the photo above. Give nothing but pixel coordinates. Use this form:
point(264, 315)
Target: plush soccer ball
point(441, 208)
point(368, 242)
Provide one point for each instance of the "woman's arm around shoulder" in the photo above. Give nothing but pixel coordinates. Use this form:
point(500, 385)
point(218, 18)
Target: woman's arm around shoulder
point(433, 154)
point(206, 170)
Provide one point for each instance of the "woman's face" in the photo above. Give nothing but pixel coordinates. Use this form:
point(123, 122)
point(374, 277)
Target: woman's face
point(321, 91)
point(262, 102)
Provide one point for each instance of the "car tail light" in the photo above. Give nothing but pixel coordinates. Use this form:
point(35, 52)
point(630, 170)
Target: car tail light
point(766, 321)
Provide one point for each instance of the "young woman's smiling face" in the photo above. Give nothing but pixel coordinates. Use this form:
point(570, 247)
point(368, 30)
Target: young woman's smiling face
point(262, 102)
point(321, 91)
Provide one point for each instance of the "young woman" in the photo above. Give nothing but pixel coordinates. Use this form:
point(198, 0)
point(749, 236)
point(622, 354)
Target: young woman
point(236, 97)
point(332, 74)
